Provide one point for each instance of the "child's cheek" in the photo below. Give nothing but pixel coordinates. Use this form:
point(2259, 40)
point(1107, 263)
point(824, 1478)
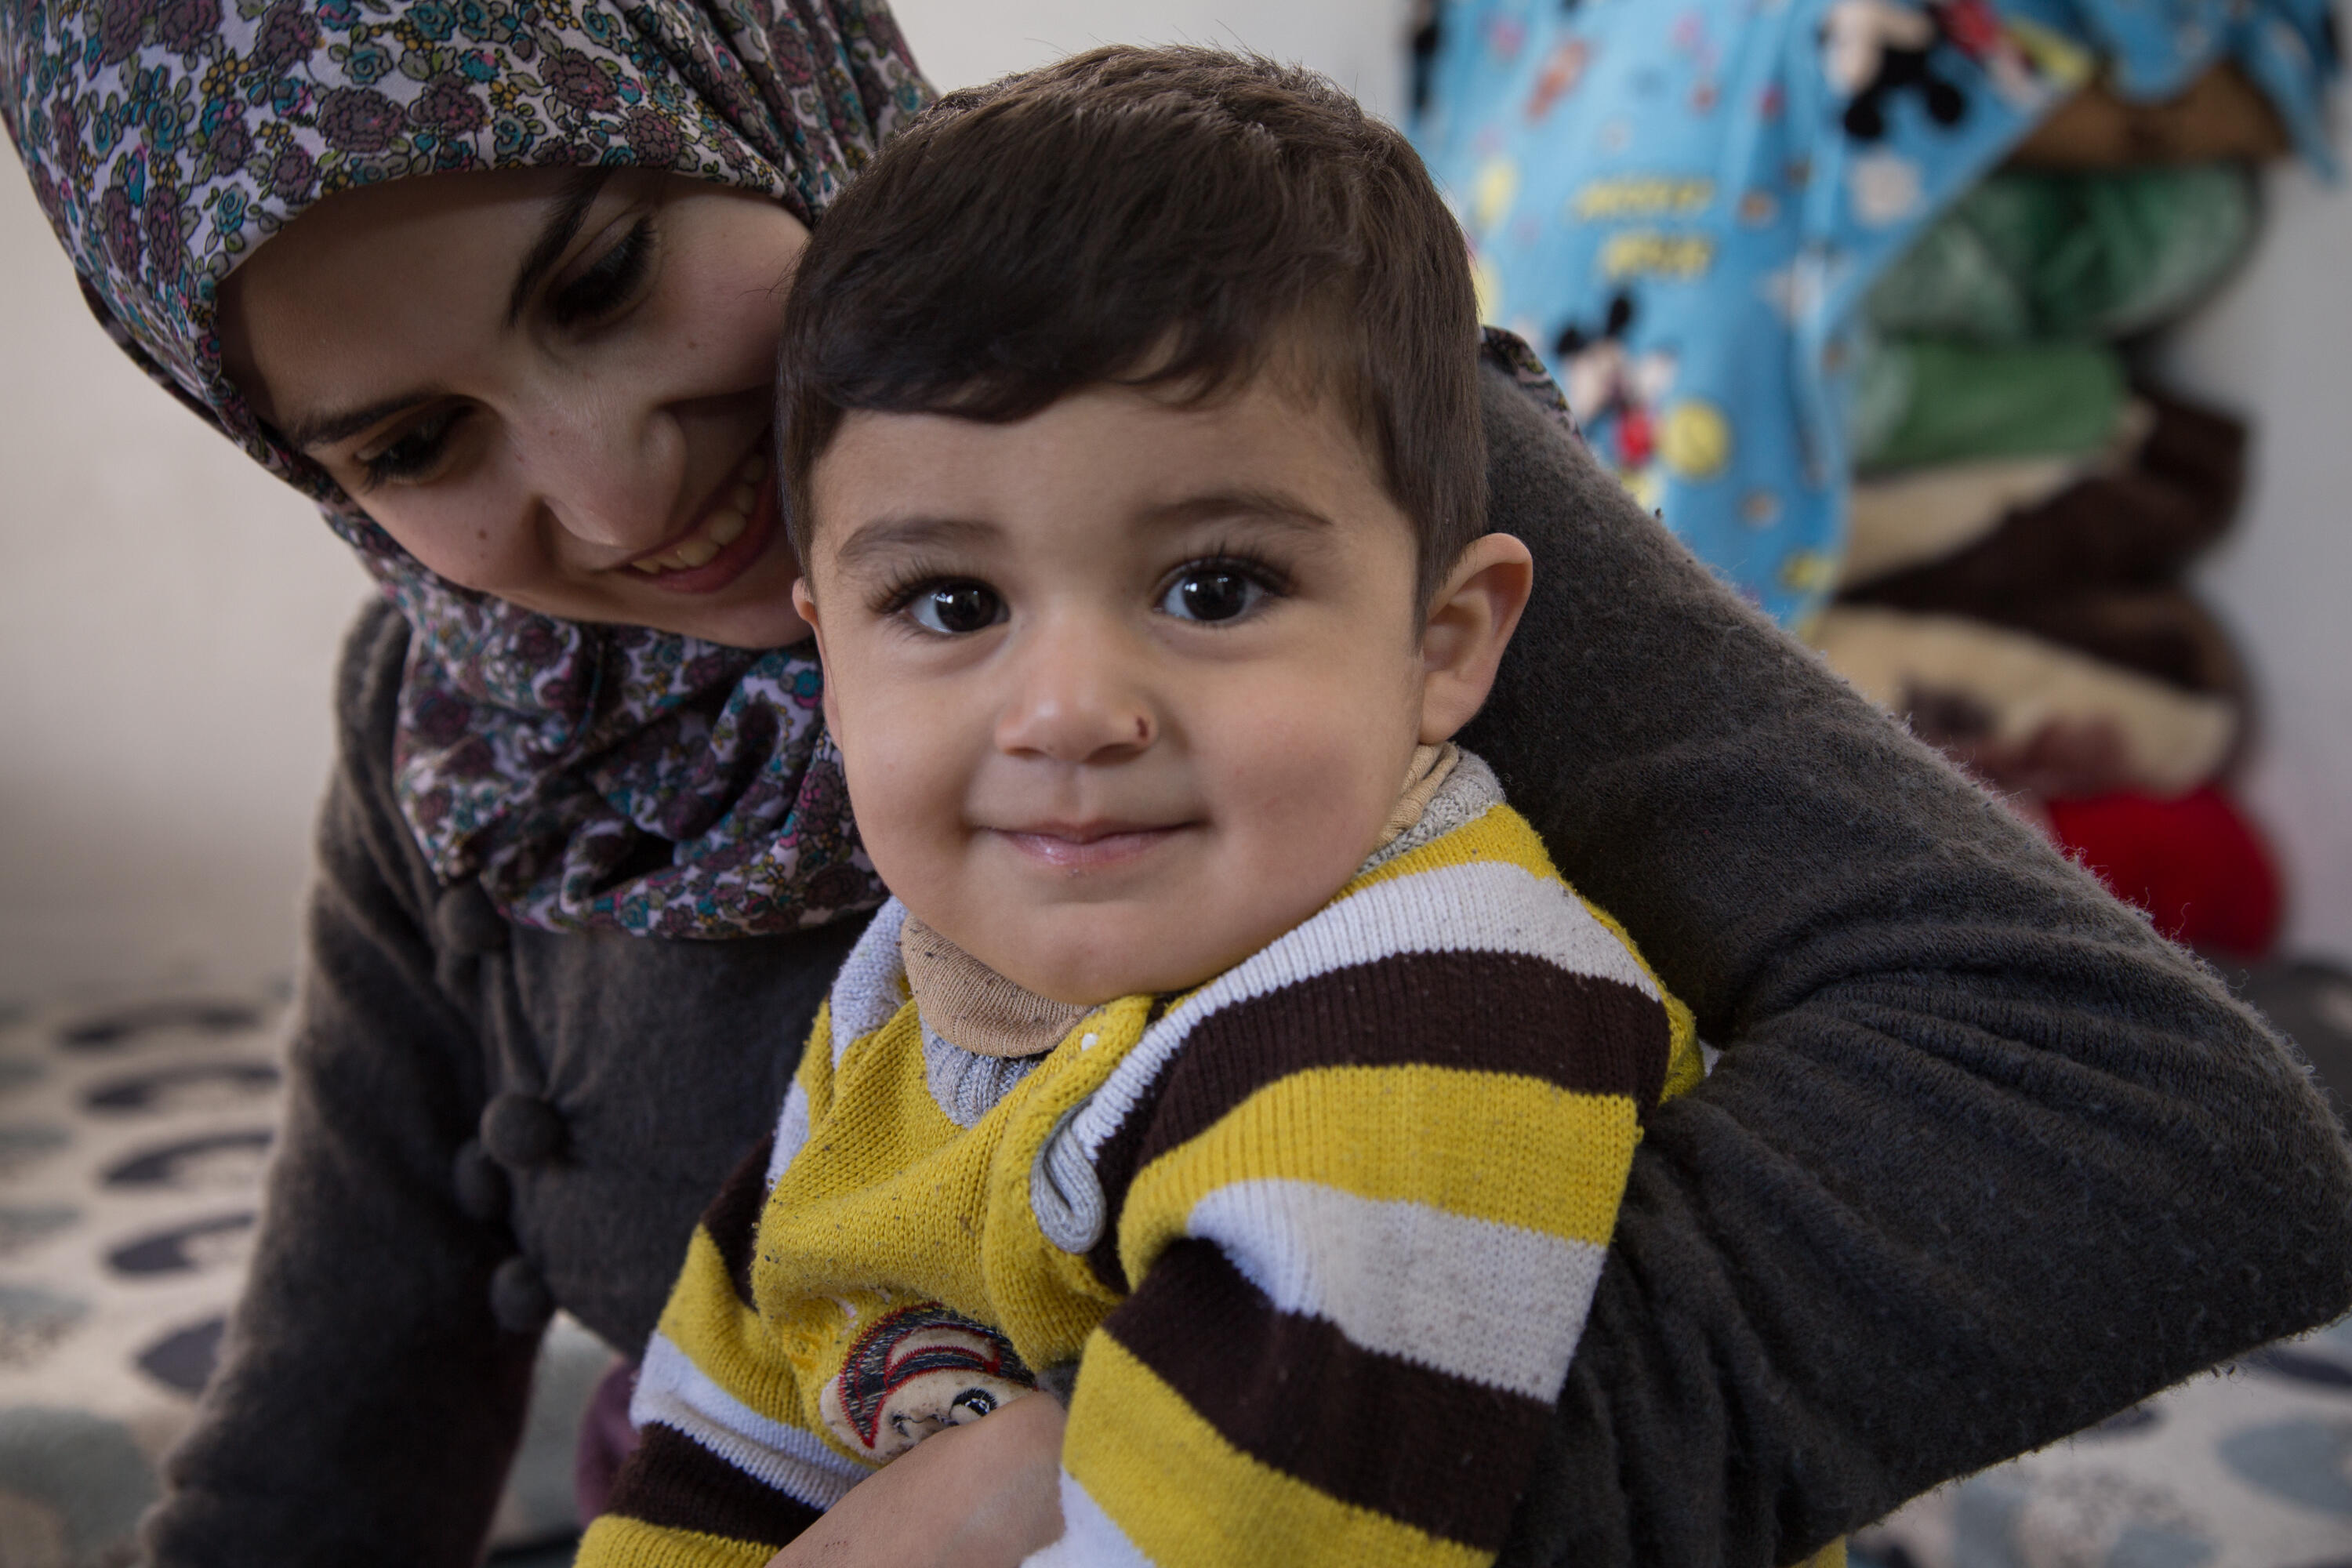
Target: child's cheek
point(913, 756)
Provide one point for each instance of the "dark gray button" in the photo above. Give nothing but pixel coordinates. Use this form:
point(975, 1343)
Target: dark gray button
point(467, 922)
point(519, 1299)
point(522, 1131)
point(482, 1190)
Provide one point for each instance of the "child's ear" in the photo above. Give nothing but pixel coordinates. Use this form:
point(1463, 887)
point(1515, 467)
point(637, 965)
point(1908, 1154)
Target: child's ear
point(805, 603)
point(1470, 623)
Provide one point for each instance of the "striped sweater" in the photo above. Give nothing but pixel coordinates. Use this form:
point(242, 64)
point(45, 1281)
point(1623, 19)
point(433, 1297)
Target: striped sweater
point(1319, 1237)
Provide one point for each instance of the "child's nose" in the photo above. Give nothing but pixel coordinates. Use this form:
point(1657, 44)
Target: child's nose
point(1078, 698)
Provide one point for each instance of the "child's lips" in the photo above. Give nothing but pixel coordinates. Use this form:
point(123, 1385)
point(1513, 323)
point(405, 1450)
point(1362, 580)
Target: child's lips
point(1083, 846)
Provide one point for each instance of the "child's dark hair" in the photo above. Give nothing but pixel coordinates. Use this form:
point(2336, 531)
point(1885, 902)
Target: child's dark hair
point(1172, 217)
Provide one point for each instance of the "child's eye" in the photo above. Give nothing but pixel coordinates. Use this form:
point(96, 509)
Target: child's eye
point(1213, 591)
point(955, 608)
point(416, 451)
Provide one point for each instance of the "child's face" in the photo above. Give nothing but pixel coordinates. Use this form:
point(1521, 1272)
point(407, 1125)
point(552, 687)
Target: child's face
point(1127, 689)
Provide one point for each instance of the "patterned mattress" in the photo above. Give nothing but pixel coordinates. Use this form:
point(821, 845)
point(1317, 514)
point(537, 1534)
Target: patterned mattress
point(132, 1141)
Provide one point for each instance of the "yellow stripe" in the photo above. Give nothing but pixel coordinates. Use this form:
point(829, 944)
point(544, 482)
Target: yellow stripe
point(1498, 834)
point(737, 1350)
point(1830, 1556)
point(1188, 1499)
point(1464, 1142)
point(615, 1541)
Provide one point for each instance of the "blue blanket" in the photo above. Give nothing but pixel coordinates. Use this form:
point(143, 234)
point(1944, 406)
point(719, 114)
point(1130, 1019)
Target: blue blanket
point(1682, 201)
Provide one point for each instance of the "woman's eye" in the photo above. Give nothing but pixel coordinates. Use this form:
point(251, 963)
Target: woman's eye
point(416, 451)
point(956, 608)
point(610, 281)
point(1212, 594)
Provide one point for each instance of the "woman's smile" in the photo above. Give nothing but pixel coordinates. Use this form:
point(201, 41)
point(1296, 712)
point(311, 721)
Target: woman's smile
point(732, 532)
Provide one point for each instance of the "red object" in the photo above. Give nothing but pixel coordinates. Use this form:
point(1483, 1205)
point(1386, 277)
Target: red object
point(1636, 436)
point(1972, 25)
point(2194, 863)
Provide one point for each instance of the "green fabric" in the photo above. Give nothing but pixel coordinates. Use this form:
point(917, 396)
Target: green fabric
point(2043, 257)
point(1924, 401)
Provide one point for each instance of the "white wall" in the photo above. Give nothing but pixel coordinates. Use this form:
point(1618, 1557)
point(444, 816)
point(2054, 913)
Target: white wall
point(168, 620)
point(2277, 346)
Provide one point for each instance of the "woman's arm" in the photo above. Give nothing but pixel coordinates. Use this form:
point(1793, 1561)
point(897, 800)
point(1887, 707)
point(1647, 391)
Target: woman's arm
point(367, 1403)
point(1985, 1161)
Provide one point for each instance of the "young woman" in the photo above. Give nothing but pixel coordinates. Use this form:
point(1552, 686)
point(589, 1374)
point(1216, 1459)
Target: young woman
point(497, 281)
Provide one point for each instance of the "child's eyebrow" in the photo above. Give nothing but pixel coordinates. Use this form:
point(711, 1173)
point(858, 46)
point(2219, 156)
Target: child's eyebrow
point(1267, 506)
point(885, 536)
point(890, 535)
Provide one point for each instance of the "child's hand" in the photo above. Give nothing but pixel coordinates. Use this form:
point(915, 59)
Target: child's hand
point(983, 1496)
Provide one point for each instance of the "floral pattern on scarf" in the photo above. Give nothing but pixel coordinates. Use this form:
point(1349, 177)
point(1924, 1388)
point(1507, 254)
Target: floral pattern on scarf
point(609, 777)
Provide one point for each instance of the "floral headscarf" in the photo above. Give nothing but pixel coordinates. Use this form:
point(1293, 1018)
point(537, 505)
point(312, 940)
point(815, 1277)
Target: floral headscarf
point(554, 760)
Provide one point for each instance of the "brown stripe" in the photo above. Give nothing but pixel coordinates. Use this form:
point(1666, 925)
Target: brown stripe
point(734, 1217)
point(1480, 1012)
point(673, 1482)
point(1442, 1454)
point(1115, 1167)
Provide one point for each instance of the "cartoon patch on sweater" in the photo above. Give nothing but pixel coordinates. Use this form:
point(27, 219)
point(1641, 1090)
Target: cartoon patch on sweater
point(917, 1371)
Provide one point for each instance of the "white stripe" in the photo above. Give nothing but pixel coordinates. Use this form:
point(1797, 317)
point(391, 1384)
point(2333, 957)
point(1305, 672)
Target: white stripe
point(1493, 1303)
point(1090, 1538)
point(791, 1131)
point(678, 1393)
point(1487, 906)
point(872, 982)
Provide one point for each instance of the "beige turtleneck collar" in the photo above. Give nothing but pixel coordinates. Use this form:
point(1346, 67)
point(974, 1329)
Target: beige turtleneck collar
point(976, 1009)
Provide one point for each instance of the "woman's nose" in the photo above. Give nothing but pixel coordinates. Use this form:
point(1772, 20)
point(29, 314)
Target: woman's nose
point(609, 473)
point(1078, 696)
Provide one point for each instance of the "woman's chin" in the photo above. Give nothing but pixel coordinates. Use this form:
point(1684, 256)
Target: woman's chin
point(757, 626)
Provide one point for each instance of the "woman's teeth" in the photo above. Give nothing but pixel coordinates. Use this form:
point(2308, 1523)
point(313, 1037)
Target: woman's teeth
point(722, 528)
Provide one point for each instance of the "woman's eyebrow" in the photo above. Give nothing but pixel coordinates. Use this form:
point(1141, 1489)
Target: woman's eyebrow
point(567, 211)
point(327, 429)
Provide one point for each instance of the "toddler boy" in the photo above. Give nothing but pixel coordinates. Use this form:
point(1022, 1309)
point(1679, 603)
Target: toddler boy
point(1231, 1060)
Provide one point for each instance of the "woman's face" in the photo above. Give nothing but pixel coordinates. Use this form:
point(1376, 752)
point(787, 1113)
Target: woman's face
point(553, 385)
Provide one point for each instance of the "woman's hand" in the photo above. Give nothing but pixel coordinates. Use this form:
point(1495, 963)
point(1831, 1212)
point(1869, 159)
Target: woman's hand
point(983, 1496)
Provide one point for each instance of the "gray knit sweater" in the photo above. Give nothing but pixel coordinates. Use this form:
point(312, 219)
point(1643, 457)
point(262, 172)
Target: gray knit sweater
point(1984, 1161)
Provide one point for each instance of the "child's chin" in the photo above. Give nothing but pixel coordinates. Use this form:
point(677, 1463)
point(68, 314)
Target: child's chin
point(1096, 976)
point(1081, 973)
point(1076, 987)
